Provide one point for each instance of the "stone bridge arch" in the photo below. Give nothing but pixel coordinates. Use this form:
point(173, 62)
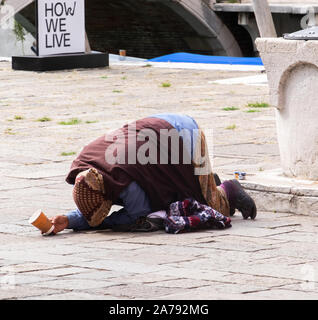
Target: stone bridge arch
point(203, 19)
point(17, 5)
point(148, 28)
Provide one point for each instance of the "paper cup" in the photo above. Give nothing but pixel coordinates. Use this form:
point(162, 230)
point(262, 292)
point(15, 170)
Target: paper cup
point(41, 221)
point(122, 55)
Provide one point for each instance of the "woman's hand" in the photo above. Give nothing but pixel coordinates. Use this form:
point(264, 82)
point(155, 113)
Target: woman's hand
point(60, 223)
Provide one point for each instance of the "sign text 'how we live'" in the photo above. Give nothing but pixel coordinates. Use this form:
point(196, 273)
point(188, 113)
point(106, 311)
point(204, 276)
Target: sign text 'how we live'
point(56, 15)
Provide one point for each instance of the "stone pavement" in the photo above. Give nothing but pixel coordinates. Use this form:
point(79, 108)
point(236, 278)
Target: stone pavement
point(273, 257)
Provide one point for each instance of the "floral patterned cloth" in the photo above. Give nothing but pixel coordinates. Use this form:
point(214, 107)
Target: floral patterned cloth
point(189, 215)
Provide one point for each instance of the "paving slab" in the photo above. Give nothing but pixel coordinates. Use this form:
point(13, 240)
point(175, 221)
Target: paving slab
point(136, 291)
point(20, 292)
point(73, 284)
point(74, 296)
point(280, 294)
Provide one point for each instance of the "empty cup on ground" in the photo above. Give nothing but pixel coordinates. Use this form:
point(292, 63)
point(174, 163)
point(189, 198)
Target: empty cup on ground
point(42, 222)
point(122, 54)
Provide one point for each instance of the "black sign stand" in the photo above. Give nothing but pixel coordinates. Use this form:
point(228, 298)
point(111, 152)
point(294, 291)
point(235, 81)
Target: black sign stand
point(93, 59)
point(60, 62)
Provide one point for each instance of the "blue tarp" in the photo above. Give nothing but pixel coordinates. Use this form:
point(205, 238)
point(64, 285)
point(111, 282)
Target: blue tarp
point(199, 58)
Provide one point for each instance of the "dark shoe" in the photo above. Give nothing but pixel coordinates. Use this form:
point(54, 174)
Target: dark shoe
point(145, 224)
point(232, 211)
point(244, 202)
point(217, 179)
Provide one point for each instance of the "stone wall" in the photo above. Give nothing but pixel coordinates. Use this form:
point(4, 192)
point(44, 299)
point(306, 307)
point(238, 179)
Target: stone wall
point(10, 43)
point(14, 46)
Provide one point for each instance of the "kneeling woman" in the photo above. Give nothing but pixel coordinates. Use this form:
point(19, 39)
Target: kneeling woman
point(146, 166)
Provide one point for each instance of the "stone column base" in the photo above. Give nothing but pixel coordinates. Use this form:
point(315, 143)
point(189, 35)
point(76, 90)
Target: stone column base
point(292, 72)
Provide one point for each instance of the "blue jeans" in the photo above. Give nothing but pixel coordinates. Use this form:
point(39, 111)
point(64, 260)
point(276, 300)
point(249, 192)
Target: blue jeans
point(136, 204)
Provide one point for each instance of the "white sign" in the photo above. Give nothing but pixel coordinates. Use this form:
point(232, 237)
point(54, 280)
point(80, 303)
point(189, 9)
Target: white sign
point(61, 26)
